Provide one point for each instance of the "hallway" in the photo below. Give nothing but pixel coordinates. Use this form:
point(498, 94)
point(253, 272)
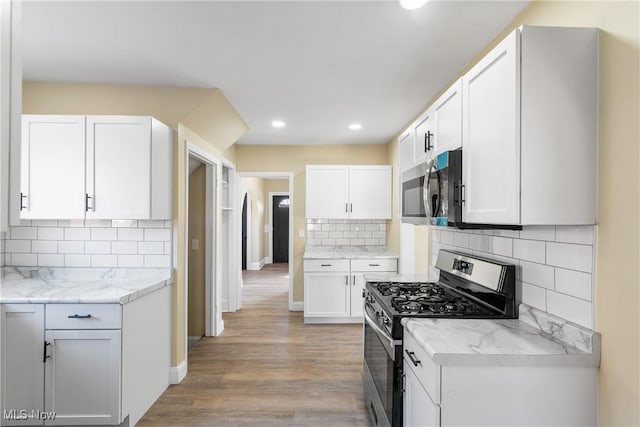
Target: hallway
point(268, 368)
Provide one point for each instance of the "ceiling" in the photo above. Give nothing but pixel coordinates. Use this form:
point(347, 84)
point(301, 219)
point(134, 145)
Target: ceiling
point(317, 66)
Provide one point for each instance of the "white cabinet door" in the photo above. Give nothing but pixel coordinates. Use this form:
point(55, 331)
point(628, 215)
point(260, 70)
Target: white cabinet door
point(448, 119)
point(52, 181)
point(418, 408)
point(357, 300)
point(405, 150)
point(491, 135)
point(22, 339)
point(370, 192)
point(423, 134)
point(83, 377)
point(327, 295)
point(119, 167)
point(327, 192)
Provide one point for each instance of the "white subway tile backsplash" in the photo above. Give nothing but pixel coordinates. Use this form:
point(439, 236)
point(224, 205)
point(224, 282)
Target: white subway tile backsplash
point(50, 233)
point(152, 261)
point(18, 246)
point(90, 243)
point(77, 233)
point(571, 256)
point(130, 261)
point(574, 283)
point(538, 232)
point(95, 247)
point(77, 260)
point(533, 295)
point(19, 233)
point(131, 234)
point(44, 247)
point(554, 264)
point(537, 274)
point(344, 232)
point(529, 250)
point(503, 246)
point(157, 235)
point(104, 260)
point(71, 247)
point(570, 308)
point(336, 235)
point(104, 234)
point(23, 260)
point(124, 248)
point(582, 234)
point(50, 260)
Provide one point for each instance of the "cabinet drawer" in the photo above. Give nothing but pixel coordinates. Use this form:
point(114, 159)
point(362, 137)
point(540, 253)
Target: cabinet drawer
point(321, 265)
point(426, 370)
point(83, 316)
point(386, 264)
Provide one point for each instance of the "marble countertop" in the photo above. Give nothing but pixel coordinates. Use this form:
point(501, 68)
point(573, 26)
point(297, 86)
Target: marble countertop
point(80, 285)
point(536, 338)
point(340, 253)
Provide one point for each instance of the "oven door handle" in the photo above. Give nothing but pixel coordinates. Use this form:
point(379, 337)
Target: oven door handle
point(382, 335)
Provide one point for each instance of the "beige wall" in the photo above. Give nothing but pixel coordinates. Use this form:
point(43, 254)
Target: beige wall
point(256, 189)
point(196, 303)
point(173, 106)
point(258, 158)
point(617, 296)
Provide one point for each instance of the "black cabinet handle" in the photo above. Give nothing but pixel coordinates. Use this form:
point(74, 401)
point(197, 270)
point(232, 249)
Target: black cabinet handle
point(22, 197)
point(427, 141)
point(374, 265)
point(77, 316)
point(86, 202)
point(412, 357)
point(325, 265)
point(44, 352)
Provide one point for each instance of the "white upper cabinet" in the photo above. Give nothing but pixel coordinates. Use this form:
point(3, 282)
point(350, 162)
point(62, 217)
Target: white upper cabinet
point(52, 168)
point(327, 192)
point(95, 167)
point(118, 167)
point(530, 138)
point(354, 192)
point(448, 119)
point(424, 136)
point(491, 152)
point(10, 96)
point(405, 150)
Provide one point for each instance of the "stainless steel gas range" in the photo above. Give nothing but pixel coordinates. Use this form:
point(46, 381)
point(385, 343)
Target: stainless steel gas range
point(468, 287)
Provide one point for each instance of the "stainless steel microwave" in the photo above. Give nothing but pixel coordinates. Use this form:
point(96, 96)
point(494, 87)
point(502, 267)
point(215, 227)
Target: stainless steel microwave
point(432, 191)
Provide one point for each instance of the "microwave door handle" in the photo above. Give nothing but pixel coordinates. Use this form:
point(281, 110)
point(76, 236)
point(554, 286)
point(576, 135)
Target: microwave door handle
point(426, 190)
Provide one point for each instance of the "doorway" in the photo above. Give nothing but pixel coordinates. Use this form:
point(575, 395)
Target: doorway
point(196, 284)
point(262, 219)
point(279, 226)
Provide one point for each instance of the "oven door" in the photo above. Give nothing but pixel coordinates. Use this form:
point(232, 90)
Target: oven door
point(380, 350)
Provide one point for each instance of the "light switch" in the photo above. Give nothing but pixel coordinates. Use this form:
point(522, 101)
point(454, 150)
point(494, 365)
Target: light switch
point(195, 244)
point(301, 233)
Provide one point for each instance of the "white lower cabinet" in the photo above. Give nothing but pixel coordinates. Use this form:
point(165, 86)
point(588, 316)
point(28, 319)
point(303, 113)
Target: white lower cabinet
point(89, 364)
point(495, 395)
point(82, 377)
point(333, 288)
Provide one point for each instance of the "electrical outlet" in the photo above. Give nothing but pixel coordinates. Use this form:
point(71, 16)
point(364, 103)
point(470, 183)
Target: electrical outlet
point(301, 233)
point(195, 244)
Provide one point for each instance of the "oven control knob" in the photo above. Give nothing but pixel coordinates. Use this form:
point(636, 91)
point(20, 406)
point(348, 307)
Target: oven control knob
point(386, 321)
point(378, 314)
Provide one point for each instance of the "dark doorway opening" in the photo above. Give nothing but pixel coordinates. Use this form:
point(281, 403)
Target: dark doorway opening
point(280, 217)
point(244, 233)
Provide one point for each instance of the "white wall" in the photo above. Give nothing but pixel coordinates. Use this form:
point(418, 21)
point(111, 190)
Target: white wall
point(555, 264)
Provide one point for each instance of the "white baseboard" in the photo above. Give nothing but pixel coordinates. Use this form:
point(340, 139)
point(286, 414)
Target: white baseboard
point(269, 260)
point(296, 306)
point(220, 327)
point(177, 373)
point(255, 266)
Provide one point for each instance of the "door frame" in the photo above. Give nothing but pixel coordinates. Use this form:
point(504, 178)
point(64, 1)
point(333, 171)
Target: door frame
point(276, 175)
point(271, 194)
point(213, 313)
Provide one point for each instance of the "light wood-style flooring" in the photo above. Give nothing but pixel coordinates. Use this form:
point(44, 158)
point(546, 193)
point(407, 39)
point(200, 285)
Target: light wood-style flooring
point(268, 368)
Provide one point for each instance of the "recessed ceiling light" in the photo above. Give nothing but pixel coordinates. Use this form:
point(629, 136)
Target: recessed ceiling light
point(412, 4)
point(277, 124)
point(355, 126)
